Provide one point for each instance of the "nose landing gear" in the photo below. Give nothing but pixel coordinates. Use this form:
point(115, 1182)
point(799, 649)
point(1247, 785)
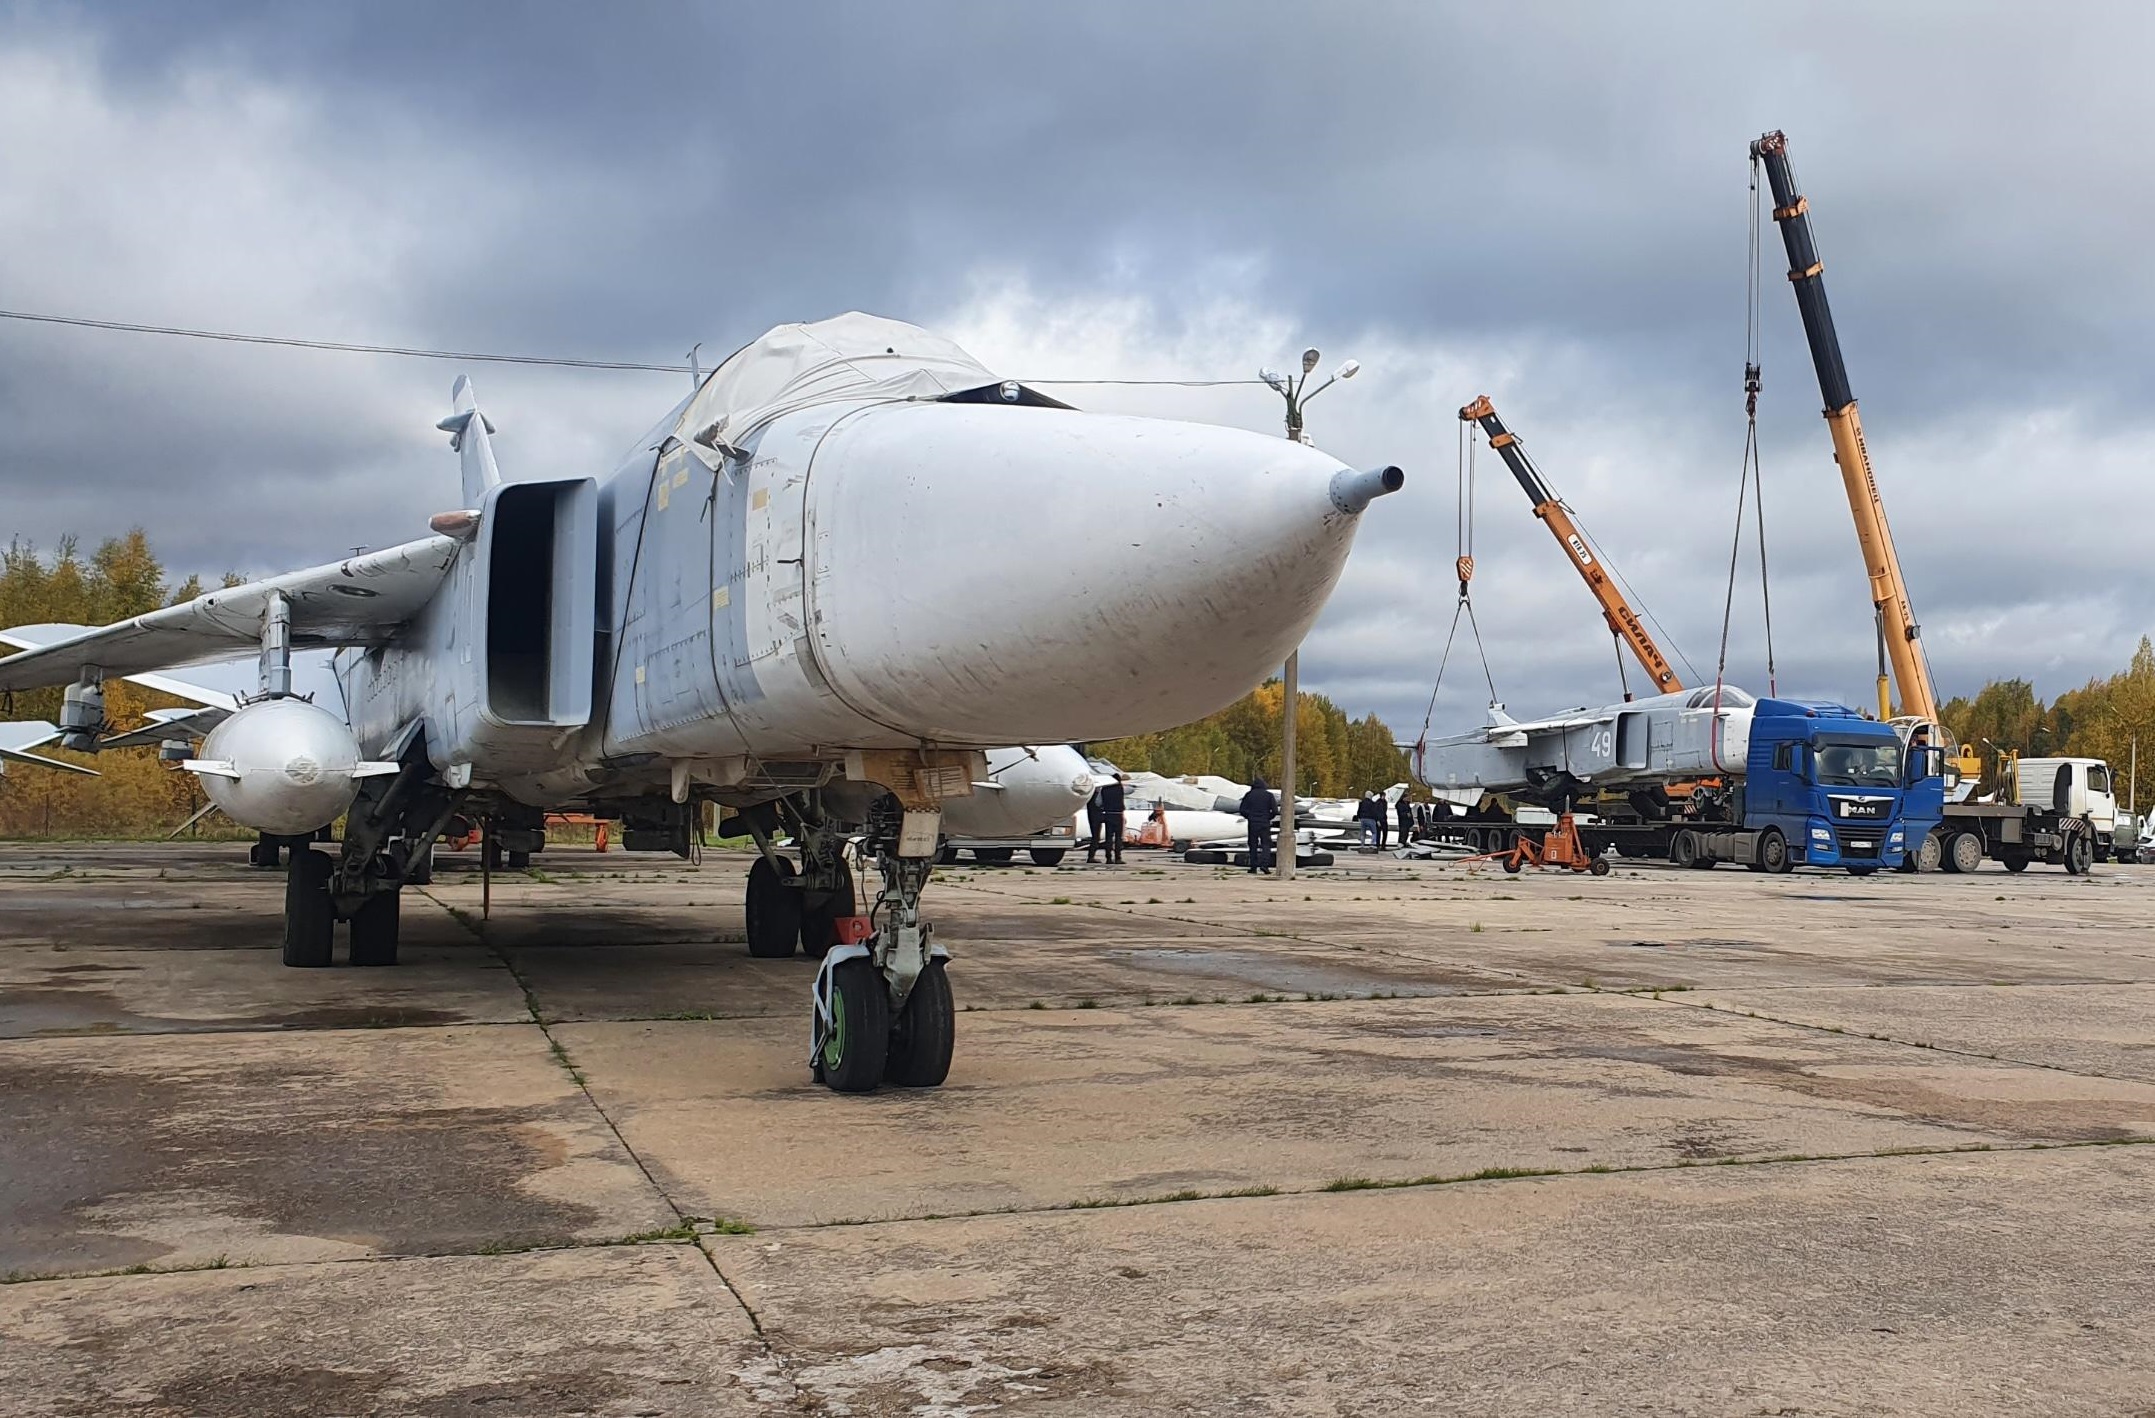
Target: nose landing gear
point(883, 1009)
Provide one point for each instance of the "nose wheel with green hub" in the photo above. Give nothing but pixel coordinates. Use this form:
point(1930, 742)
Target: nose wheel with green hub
point(883, 1009)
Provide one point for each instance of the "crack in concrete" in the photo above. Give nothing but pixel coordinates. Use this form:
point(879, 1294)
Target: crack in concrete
point(778, 1361)
point(1710, 1007)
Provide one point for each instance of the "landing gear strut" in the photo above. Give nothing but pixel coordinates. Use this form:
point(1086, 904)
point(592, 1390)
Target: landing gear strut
point(786, 904)
point(883, 1010)
point(388, 843)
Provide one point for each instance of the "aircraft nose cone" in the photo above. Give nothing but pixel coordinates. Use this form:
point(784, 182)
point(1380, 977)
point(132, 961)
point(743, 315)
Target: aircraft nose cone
point(1045, 576)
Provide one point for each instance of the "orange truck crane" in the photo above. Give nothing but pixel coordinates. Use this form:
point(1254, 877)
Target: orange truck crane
point(1624, 622)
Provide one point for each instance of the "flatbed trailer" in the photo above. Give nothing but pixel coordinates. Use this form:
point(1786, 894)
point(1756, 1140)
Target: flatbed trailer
point(2014, 835)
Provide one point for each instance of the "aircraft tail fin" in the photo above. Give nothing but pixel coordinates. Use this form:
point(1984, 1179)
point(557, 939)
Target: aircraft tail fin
point(469, 431)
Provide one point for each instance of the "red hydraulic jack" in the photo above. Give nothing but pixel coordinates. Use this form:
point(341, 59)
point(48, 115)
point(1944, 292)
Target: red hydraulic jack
point(1559, 847)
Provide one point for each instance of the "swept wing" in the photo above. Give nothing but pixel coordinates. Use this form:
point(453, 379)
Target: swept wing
point(17, 738)
point(358, 601)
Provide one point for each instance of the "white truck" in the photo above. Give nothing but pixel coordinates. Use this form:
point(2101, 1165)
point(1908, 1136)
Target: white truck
point(2063, 811)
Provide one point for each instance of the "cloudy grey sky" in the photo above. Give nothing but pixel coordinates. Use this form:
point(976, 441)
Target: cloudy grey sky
point(1543, 202)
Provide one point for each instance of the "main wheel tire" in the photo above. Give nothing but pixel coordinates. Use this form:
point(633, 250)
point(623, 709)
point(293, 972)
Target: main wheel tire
point(518, 861)
point(857, 1048)
point(924, 1033)
point(774, 909)
point(994, 856)
point(1684, 848)
point(2018, 862)
point(421, 870)
point(1964, 853)
point(1047, 856)
point(820, 917)
point(2080, 853)
point(1773, 853)
point(374, 929)
point(310, 918)
point(946, 855)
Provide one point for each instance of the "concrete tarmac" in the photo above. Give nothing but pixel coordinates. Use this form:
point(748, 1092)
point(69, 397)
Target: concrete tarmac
point(1395, 1138)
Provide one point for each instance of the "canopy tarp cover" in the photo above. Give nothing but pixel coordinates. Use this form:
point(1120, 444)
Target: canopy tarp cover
point(848, 357)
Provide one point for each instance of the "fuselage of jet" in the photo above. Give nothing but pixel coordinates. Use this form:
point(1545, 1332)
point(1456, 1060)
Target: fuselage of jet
point(1665, 738)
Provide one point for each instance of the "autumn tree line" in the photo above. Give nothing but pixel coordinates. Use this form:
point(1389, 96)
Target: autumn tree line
point(1335, 756)
point(2104, 718)
point(133, 795)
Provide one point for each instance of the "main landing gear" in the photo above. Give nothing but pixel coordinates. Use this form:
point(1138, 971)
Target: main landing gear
point(804, 906)
point(388, 843)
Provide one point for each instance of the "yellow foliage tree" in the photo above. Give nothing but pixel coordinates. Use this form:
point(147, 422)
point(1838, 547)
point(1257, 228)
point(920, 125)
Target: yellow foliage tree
point(1334, 757)
point(134, 794)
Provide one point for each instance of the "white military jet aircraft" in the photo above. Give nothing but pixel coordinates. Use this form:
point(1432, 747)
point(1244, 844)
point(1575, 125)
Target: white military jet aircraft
point(1640, 743)
point(814, 593)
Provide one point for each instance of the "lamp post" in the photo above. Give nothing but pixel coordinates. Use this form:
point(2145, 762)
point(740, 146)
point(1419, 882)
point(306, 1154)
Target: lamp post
point(1292, 391)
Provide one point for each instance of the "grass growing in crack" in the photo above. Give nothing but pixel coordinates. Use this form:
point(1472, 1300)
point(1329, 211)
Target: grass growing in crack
point(1097, 1203)
point(1088, 1003)
point(1058, 901)
point(216, 1262)
point(1486, 1174)
point(561, 1056)
point(684, 1231)
point(511, 1248)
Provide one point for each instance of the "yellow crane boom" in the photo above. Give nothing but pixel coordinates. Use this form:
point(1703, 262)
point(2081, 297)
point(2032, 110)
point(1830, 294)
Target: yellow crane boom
point(1897, 625)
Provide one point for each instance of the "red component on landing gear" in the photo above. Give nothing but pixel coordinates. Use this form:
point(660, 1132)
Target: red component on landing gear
point(852, 930)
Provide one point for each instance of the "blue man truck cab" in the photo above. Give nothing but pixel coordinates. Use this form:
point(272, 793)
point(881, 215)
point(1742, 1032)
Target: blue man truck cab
point(1823, 786)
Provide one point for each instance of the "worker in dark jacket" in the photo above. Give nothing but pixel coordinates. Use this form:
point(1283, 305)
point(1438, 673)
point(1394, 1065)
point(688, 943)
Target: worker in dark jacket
point(1406, 820)
point(1092, 826)
point(1370, 813)
point(1112, 797)
point(1262, 810)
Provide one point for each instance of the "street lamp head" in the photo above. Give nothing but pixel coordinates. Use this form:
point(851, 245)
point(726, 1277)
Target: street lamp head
point(1309, 360)
point(1348, 370)
point(1272, 377)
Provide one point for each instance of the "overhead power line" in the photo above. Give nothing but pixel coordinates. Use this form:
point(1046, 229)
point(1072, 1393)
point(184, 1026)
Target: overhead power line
point(339, 345)
point(475, 356)
point(1177, 383)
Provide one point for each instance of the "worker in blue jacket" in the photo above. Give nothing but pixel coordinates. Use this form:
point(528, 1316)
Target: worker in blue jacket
point(1262, 810)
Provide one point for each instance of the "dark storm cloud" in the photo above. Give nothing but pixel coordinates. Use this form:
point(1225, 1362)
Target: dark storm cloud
point(1547, 202)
